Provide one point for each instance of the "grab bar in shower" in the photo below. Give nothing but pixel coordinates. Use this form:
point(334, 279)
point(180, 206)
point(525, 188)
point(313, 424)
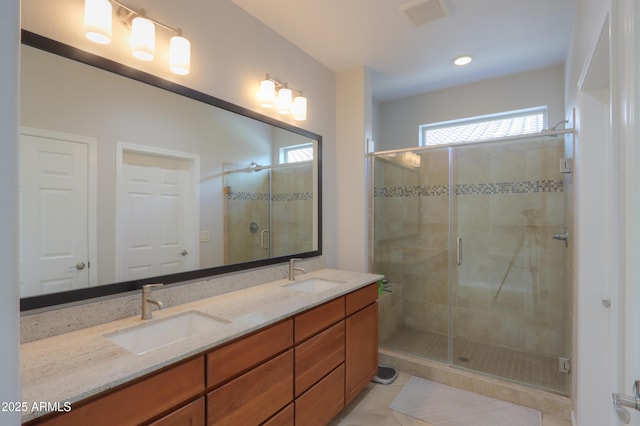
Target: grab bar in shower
point(459, 251)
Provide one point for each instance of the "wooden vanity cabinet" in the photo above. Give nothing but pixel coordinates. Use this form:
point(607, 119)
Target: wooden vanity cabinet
point(251, 378)
point(190, 415)
point(361, 325)
point(138, 402)
point(302, 370)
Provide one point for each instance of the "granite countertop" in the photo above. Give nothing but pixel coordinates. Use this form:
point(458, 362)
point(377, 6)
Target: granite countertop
point(73, 366)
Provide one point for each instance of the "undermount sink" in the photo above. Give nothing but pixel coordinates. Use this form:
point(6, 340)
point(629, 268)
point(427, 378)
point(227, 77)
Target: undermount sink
point(313, 285)
point(159, 333)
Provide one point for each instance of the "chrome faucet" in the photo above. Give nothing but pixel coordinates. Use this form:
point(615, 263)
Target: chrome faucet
point(146, 301)
point(293, 268)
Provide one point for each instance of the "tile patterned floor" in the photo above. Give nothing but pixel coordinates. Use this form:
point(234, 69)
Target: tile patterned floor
point(371, 408)
point(539, 371)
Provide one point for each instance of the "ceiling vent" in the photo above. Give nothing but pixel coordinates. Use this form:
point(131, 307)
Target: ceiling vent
point(421, 12)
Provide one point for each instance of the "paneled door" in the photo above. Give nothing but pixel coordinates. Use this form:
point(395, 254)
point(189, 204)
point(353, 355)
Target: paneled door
point(157, 213)
point(54, 212)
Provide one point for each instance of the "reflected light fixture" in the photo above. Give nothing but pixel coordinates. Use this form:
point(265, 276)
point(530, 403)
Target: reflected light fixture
point(462, 60)
point(274, 93)
point(98, 15)
point(97, 21)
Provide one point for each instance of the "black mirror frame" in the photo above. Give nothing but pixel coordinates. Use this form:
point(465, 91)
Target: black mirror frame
point(48, 300)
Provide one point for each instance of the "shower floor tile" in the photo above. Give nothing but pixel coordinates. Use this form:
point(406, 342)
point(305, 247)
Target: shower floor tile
point(519, 366)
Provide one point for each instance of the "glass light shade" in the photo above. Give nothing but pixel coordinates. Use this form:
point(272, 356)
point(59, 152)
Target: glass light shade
point(267, 93)
point(179, 55)
point(143, 38)
point(299, 108)
point(97, 21)
point(283, 103)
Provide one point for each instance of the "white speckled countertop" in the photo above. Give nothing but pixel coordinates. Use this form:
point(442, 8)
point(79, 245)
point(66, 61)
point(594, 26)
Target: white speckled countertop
point(73, 366)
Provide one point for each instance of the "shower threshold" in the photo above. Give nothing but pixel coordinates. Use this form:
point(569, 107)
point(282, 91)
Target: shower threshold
point(538, 371)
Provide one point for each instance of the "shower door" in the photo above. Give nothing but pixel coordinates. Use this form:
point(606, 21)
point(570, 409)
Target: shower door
point(474, 239)
point(247, 222)
point(511, 257)
point(411, 235)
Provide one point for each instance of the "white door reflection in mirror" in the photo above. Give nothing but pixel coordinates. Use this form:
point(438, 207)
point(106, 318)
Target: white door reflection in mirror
point(157, 212)
point(55, 235)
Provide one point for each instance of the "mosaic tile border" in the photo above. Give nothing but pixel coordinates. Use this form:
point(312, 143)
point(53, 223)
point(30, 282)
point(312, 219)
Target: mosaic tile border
point(497, 188)
point(264, 196)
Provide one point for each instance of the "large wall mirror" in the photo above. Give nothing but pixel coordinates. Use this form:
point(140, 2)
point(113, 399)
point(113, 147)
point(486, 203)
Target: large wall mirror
point(126, 179)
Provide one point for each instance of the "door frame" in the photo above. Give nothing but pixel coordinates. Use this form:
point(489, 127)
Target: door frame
point(92, 189)
point(192, 217)
point(617, 341)
point(625, 15)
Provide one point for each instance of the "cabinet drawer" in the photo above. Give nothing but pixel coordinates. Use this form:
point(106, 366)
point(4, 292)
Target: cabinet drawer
point(237, 357)
point(318, 356)
point(323, 401)
point(140, 401)
point(361, 298)
point(189, 415)
point(283, 418)
point(317, 319)
point(255, 396)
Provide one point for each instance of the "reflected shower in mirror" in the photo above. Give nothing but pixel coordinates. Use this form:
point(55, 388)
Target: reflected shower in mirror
point(123, 182)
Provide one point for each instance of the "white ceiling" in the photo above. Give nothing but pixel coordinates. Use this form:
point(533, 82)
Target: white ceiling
point(503, 36)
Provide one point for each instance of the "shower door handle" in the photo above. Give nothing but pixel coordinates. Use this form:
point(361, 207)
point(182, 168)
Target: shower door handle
point(459, 251)
point(264, 245)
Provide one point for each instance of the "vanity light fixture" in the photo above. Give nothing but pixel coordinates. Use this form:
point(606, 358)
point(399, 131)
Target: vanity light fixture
point(98, 14)
point(143, 38)
point(274, 93)
point(462, 60)
point(97, 21)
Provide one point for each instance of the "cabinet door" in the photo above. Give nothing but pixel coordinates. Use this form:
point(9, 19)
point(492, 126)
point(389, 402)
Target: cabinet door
point(318, 356)
point(190, 415)
point(361, 350)
point(323, 401)
point(255, 396)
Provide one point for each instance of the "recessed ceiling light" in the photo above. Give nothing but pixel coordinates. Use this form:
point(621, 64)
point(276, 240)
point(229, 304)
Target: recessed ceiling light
point(462, 60)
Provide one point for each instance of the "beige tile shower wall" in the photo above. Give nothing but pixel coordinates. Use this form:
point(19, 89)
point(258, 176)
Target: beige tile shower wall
point(529, 312)
point(292, 210)
point(412, 231)
point(248, 203)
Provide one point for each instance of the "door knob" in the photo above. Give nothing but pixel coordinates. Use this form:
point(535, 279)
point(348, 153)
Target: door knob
point(78, 267)
point(184, 253)
point(620, 401)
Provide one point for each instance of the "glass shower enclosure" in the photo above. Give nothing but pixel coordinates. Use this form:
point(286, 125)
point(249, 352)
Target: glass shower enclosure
point(474, 240)
point(268, 211)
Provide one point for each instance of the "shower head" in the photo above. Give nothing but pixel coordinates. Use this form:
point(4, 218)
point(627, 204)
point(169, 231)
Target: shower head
point(558, 124)
point(255, 166)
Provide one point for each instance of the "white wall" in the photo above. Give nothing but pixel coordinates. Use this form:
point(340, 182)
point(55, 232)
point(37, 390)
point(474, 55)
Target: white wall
point(399, 119)
point(9, 317)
